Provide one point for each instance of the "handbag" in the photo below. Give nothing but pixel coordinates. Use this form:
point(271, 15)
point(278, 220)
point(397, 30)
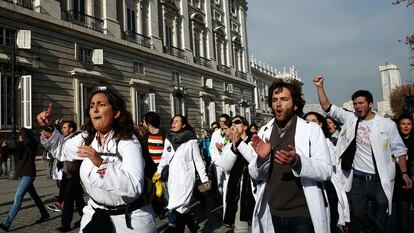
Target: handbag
point(166, 171)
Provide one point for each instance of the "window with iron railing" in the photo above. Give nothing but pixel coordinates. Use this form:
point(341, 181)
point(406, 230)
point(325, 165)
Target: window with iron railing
point(23, 3)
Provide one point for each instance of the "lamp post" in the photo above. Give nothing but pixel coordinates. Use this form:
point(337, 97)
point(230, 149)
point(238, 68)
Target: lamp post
point(14, 63)
point(12, 172)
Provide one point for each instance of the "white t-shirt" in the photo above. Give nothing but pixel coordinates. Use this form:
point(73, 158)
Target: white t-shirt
point(363, 156)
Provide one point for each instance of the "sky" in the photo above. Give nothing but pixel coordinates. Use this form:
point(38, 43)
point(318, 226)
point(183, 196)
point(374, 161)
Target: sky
point(344, 40)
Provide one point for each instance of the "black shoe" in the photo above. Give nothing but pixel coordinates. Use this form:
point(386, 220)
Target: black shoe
point(4, 227)
point(43, 218)
point(63, 228)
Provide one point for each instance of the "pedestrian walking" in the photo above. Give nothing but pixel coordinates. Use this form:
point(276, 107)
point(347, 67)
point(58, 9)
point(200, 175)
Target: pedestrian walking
point(4, 154)
point(181, 156)
point(218, 140)
point(365, 150)
point(72, 191)
point(25, 153)
point(154, 135)
point(112, 170)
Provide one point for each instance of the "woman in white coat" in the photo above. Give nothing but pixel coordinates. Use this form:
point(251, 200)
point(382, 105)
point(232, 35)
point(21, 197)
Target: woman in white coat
point(112, 170)
point(239, 200)
point(182, 155)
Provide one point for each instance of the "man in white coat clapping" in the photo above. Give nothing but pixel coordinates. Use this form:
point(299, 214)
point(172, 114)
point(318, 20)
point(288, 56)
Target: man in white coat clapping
point(291, 158)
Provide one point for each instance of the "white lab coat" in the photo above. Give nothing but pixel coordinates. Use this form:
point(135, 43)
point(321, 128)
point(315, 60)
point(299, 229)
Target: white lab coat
point(343, 204)
point(222, 177)
point(122, 183)
point(181, 179)
point(227, 160)
point(385, 142)
point(311, 147)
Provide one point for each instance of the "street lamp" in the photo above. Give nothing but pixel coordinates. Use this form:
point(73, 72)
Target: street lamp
point(12, 172)
point(14, 63)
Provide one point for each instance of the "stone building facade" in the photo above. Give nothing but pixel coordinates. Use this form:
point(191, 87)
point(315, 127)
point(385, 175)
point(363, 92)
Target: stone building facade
point(185, 57)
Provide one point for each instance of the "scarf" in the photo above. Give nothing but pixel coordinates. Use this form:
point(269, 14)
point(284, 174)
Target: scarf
point(178, 138)
point(236, 191)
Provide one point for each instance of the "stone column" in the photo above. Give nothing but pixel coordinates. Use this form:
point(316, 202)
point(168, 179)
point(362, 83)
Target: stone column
point(138, 17)
point(109, 14)
point(89, 7)
point(154, 22)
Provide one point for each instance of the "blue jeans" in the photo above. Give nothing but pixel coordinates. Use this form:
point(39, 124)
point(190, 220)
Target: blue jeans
point(25, 185)
point(292, 224)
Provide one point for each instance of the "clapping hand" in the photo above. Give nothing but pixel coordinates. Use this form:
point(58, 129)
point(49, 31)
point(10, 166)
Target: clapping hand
point(262, 148)
point(286, 157)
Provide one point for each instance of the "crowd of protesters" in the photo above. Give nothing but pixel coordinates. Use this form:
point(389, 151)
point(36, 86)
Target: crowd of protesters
point(340, 171)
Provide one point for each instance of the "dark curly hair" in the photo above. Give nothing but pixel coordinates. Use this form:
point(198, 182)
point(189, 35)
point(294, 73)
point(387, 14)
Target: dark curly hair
point(295, 90)
point(123, 126)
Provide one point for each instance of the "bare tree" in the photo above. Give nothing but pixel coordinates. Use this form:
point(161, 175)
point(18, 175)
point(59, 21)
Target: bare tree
point(409, 40)
point(398, 95)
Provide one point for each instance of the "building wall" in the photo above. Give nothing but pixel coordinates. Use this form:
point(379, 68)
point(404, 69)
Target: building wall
point(57, 43)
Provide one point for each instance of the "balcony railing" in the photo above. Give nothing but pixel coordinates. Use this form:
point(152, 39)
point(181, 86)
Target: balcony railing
point(23, 3)
point(137, 38)
point(224, 69)
point(83, 19)
point(175, 51)
point(202, 61)
point(241, 75)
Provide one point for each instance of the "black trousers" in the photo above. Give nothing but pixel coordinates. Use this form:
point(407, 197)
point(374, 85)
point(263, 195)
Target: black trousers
point(72, 194)
point(185, 219)
point(368, 206)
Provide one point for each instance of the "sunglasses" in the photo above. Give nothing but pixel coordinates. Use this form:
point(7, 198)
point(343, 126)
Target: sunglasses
point(236, 122)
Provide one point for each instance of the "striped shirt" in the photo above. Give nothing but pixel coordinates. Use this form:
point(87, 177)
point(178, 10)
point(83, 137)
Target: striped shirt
point(155, 144)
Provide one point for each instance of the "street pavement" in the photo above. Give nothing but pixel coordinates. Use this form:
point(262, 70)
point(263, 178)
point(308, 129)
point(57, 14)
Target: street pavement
point(208, 217)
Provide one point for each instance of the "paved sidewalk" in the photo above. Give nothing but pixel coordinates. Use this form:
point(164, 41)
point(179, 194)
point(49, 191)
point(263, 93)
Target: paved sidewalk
point(209, 218)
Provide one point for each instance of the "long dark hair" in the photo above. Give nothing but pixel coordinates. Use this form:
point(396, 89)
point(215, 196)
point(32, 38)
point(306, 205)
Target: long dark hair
point(336, 123)
point(123, 126)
